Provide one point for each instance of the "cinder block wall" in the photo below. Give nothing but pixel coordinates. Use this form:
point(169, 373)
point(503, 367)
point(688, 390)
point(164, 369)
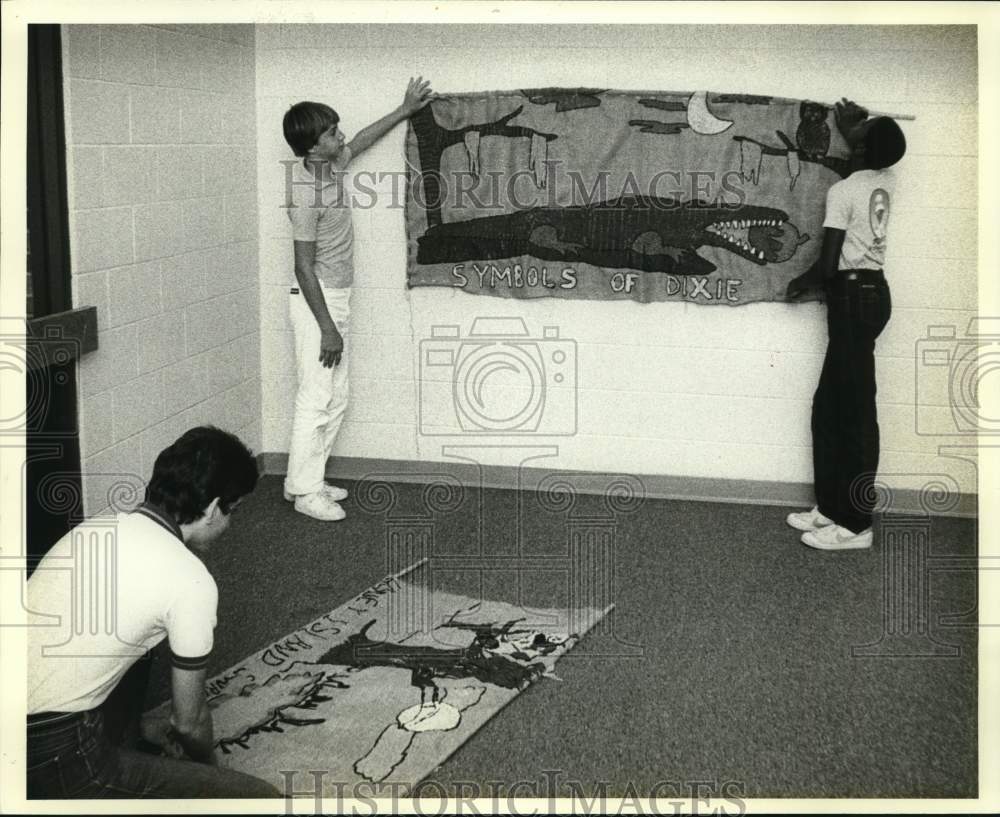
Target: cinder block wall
point(668, 388)
point(162, 155)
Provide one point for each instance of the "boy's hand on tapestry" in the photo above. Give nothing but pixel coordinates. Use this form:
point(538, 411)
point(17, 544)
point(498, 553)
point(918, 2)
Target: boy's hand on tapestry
point(331, 347)
point(797, 286)
point(172, 748)
point(418, 94)
point(848, 114)
point(812, 278)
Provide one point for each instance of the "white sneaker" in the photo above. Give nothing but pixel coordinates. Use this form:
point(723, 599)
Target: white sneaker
point(834, 537)
point(335, 493)
point(808, 520)
point(318, 505)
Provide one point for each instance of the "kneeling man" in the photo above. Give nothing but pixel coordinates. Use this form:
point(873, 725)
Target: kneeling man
point(150, 585)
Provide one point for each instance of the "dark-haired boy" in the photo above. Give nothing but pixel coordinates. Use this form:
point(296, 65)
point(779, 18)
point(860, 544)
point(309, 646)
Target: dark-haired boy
point(844, 420)
point(152, 587)
point(319, 209)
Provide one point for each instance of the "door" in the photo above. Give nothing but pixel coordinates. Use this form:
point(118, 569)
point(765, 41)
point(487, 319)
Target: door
point(56, 334)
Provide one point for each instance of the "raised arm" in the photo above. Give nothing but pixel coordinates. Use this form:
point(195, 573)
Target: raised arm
point(847, 114)
point(418, 94)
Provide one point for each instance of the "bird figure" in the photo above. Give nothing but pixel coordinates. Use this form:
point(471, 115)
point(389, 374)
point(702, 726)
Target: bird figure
point(813, 135)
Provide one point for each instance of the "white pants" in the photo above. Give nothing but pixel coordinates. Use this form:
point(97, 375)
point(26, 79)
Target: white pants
point(321, 399)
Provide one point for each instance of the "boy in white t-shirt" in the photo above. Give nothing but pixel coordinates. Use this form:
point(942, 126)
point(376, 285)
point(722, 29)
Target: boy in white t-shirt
point(111, 590)
point(319, 209)
point(844, 421)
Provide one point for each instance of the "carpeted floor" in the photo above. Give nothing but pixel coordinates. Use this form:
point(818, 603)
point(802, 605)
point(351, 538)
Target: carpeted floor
point(728, 657)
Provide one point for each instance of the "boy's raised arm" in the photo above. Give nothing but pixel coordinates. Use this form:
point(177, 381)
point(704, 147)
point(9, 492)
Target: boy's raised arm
point(418, 94)
point(847, 114)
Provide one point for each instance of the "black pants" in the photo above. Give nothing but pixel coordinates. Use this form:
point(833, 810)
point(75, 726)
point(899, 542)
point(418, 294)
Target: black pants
point(844, 422)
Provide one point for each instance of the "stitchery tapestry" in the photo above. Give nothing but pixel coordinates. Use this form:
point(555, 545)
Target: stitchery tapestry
point(381, 690)
point(704, 197)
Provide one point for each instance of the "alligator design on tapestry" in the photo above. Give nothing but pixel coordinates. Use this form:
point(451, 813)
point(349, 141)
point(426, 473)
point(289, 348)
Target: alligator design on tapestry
point(650, 234)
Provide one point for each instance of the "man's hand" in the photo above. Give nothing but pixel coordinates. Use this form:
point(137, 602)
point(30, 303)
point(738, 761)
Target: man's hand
point(795, 288)
point(331, 347)
point(418, 94)
point(810, 279)
point(848, 114)
point(172, 747)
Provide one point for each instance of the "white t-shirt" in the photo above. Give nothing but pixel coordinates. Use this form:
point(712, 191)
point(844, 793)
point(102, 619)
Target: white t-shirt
point(321, 212)
point(860, 205)
point(114, 588)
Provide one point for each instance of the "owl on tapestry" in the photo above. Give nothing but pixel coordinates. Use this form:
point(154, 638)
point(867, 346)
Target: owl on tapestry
point(813, 135)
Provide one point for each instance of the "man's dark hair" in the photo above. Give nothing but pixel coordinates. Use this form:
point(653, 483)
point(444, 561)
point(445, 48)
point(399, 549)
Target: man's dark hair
point(885, 143)
point(304, 122)
point(204, 463)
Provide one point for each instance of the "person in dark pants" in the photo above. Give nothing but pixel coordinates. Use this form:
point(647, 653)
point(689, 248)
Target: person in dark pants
point(844, 420)
point(86, 683)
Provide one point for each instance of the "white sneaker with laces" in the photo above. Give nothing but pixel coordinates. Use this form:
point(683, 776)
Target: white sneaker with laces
point(808, 520)
point(335, 493)
point(834, 537)
point(318, 505)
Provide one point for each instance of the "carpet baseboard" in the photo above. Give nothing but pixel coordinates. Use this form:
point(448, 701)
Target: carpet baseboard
point(653, 486)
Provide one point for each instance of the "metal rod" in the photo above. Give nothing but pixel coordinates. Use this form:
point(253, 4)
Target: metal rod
point(908, 117)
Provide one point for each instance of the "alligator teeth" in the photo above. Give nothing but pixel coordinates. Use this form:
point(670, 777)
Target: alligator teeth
point(760, 255)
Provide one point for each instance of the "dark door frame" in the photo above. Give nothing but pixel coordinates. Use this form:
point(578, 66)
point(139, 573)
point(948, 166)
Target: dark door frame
point(48, 210)
point(56, 334)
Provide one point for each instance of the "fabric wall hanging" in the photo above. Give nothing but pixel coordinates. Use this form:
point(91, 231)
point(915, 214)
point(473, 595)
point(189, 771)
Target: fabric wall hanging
point(708, 198)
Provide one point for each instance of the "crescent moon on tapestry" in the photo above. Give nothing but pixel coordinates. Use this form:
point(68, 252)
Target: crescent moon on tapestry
point(701, 119)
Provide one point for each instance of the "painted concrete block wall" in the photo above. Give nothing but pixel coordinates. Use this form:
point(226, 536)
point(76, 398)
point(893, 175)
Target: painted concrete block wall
point(161, 150)
point(669, 388)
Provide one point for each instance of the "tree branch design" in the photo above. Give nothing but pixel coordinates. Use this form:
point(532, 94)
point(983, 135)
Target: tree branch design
point(433, 140)
point(839, 165)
